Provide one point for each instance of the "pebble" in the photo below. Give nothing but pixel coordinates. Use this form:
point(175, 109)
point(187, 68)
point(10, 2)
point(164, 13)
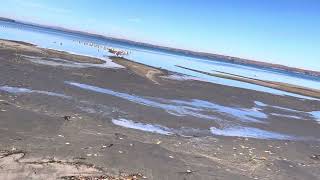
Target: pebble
point(89, 155)
point(120, 152)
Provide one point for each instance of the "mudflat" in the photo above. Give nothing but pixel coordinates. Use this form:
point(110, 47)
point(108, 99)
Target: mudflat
point(66, 116)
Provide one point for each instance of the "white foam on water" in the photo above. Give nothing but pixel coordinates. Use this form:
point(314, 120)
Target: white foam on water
point(316, 115)
point(249, 132)
point(142, 126)
point(18, 90)
point(286, 116)
point(258, 103)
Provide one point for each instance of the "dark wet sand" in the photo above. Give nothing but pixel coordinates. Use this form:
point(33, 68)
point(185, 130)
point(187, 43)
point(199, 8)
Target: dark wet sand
point(38, 143)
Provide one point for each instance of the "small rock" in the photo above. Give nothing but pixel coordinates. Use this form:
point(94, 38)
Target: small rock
point(315, 157)
point(67, 118)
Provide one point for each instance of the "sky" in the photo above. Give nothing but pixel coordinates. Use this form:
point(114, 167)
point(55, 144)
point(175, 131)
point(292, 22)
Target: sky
point(277, 31)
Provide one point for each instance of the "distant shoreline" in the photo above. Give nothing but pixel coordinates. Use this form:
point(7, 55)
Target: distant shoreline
point(202, 55)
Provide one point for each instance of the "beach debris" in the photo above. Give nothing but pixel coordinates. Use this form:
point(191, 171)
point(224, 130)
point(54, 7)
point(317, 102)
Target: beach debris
point(120, 152)
point(188, 171)
point(315, 157)
point(67, 118)
point(171, 157)
point(135, 176)
point(158, 142)
point(107, 146)
point(16, 139)
point(67, 143)
point(254, 158)
point(120, 136)
point(79, 158)
point(60, 135)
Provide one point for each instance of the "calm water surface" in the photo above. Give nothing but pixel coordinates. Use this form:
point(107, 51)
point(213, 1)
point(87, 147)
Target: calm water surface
point(76, 44)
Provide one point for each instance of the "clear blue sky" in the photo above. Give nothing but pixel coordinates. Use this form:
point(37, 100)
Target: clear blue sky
point(279, 31)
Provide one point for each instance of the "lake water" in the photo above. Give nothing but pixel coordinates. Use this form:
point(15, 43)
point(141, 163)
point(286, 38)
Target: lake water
point(79, 44)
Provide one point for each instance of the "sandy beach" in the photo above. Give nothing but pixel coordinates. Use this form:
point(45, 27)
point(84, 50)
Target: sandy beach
point(67, 116)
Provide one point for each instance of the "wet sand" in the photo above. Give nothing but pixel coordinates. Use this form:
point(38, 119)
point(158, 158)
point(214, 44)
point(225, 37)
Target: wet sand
point(134, 122)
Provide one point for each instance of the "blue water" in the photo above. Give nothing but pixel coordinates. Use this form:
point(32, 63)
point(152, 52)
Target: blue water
point(75, 43)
